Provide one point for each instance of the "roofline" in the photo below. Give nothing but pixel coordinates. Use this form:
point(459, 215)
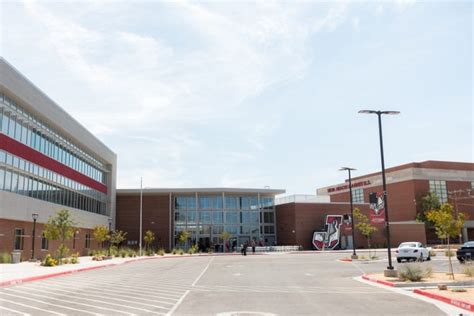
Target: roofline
point(199, 190)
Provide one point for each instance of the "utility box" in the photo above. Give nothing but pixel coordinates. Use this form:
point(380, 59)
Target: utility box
point(16, 257)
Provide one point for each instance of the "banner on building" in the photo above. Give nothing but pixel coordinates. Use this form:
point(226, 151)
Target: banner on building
point(377, 208)
point(330, 238)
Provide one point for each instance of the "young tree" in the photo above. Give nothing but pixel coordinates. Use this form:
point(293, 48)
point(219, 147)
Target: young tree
point(364, 226)
point(117, 237)
point(101, 234)
point(60, 227)
point(446, 225)
point(183, 236)
point(427, 203)
point(148, 238)
point(225, 236)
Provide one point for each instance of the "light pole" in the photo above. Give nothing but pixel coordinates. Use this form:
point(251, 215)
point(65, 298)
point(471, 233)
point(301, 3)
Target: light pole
point(35, 217)
point(110, 230)
point(141, 214)
point(354, 255)
point(387, 226)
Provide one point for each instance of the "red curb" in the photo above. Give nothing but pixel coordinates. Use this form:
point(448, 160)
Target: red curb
point(345, 259)
point(52, 275)
point(366, 277)
point(452, 301)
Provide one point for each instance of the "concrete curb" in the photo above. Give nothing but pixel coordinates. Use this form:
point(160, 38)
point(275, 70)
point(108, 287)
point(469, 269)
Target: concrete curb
point(56, 274)
point(414, 284)
point(391, 284)
point(453, 301)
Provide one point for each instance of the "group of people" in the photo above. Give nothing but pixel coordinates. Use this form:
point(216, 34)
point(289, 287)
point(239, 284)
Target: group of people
point(247, 244)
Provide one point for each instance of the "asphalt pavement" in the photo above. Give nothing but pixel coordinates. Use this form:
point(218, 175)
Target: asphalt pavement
point(278, 284)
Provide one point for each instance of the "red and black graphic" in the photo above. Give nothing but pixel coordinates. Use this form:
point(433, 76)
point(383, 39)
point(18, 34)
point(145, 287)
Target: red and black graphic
point(377, 208)
point(330, 238)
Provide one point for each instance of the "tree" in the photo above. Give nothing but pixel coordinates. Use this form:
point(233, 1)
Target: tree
point(447, 225)
point(183, 236)
point(148, 238)
point(117, 237)
point(101, 234)
point(60, 227)
point(364, 226)
point(427, 203)
point(225, 236)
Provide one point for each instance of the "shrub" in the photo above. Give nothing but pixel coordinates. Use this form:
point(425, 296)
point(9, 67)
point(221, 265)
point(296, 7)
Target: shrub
point(468, 269)
point(150, 252)
point(414, 272)
point(49, 261)
point(180, 252)
point(193, 249)
point(65, 260)
point(449, 253)
point(432, 253)
point(114, 252)
point(174, 251)
point(5, 257)
point(74, 258)
point(160, 252)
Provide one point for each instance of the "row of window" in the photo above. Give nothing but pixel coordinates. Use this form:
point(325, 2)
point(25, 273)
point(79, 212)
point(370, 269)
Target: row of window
point(218, 202)
point(218, 217)
point(219, 229)
point(19, 240)
point(358, 195)
point(49, 176)
point(18, 183)
point(16, 128)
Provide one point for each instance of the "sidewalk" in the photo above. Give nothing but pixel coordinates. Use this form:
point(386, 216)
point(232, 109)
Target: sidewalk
point(30, 271)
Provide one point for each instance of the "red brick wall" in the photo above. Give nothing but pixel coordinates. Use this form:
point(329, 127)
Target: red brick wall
point(155, 217)
point(305, 218)
point(7, 237)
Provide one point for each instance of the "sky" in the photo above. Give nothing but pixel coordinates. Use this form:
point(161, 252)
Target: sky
point(253, 94)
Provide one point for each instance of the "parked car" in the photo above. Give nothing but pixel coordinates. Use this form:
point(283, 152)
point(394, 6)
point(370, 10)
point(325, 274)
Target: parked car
point(412, 251)
point(466, 252)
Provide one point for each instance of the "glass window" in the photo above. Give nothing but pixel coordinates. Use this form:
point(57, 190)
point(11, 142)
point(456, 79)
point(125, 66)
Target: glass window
point(205, 217)
point(232, 229)
point(205, 202)
point(254, 217)
point(8, 180)
point(2, 178)
point(358, 195)
point(439, 188)
point(180, 216)
point(191, 216)
point(232, 202)
point(232, 217)
point(44, 242)
point(217, 217)
point(268, 217)
point(19, 238)
point(88, 241)
point(245, 217)
point(267, 202)
point(269, 229)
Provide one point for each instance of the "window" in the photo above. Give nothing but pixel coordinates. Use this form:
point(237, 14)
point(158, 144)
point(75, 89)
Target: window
point(217, 217)
point(232, 217)
point(269, 229)
point(180, 216)
point(205, 217)
point(268, 217)
point(357, 195)
point(44, 242)
point(19, 238)
point(232, 202)
point(438, 187)
point(88, 240)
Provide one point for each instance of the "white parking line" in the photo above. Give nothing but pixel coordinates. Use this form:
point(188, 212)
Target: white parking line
point(70, 302)
point(178, 303)
point(203, 271)
point(105, 301)
point(14, 311)
point(42, 302)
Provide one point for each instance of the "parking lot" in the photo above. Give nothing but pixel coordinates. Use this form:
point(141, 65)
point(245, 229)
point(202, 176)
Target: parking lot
point(278, 284)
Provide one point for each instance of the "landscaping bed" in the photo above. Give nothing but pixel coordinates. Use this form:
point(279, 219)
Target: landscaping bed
point(434, 279)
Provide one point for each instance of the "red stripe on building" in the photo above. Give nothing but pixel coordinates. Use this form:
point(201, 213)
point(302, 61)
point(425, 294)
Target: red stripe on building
point(21, 150)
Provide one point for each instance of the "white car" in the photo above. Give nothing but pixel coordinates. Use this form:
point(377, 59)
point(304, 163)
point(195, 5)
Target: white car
point(412, 251)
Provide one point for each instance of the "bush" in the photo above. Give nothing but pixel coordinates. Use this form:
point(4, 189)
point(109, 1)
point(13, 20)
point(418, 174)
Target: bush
point(49, 261)
point(160, 252)
point(5, 257)
point(150, 252)
point(65, 260)
point(449, 253)
point(180, 252)
point(193, 249)
point(414, 272)
point(114, 252)
point(432, 253)
point(468, 269)
point(74, 258)
point(174, 251)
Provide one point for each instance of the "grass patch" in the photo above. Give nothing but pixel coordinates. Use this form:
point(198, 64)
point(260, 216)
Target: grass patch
point(414, 272)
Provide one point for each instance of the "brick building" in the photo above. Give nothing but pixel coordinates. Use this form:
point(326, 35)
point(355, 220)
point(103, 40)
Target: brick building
point(452, 182)
point(48, 162)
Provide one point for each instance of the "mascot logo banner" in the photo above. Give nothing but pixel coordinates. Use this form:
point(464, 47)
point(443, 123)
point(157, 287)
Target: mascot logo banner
point(330, 238)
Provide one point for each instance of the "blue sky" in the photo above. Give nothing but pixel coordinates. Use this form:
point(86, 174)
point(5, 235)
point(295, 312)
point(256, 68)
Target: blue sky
point(253, 94)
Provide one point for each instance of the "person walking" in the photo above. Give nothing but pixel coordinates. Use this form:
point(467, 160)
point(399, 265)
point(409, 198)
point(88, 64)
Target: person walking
point(253, 246)
point(242, 249)
point(246, 244)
